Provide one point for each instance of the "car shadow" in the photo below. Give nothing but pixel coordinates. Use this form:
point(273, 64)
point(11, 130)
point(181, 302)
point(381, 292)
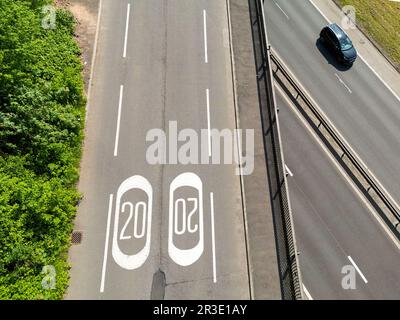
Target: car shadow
point(330, 58)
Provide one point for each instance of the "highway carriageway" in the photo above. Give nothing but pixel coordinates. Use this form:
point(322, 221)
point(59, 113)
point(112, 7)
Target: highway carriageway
point(161, 61)
point(334, 225)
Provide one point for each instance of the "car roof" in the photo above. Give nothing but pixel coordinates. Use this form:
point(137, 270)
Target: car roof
point(337, 30)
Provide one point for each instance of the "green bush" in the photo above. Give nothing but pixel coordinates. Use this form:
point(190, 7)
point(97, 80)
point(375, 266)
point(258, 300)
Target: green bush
point(41, 131)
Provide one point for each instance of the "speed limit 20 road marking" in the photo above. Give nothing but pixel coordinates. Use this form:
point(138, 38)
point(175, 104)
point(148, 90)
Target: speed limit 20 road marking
point(185, 217)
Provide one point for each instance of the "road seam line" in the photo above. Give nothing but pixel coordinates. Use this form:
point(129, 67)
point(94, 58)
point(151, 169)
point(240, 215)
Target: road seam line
point(103, 272)
point(358, 269)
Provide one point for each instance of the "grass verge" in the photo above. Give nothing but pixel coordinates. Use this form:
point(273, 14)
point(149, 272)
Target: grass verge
point(380, 19)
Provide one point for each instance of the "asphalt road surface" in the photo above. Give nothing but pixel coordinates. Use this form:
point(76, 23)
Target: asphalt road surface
point(158, 62)
point(333, 224)
point(364, 111)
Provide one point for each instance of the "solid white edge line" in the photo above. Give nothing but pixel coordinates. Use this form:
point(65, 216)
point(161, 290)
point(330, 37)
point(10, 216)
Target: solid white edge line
point(213, 237)
point(340, 169)
point(205, 36)
point(208, 122)
point(319, 10)
point(121, 93)
point(380, 78)
point(309, 297)
point(103, 272)
point(126, 29)
point(361, 57)
point(358, 269)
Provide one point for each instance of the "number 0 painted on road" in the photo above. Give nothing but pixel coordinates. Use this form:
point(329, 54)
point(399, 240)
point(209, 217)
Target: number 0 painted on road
point(185, 257)
point(135, 261)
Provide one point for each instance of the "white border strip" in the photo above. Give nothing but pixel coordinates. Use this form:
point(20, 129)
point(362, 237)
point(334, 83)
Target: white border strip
point(213, 237)
point(103, 272)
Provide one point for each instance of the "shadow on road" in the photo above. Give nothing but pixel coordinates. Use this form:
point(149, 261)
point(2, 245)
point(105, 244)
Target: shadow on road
point(329, 57)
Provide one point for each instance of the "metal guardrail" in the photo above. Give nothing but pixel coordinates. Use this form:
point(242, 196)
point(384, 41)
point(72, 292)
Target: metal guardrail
point(381, 200)
point(290, 276)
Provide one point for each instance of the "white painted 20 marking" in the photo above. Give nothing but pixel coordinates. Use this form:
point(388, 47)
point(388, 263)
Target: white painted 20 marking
point(185, 257)
point(186, 218)
point(126, 261)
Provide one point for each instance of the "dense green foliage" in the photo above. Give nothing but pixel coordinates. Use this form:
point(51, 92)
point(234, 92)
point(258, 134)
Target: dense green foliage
point(41, 131)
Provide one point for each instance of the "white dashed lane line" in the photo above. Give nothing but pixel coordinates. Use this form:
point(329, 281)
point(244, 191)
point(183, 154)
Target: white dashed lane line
point(343, 83)
point(121, 93)
point(128, 11)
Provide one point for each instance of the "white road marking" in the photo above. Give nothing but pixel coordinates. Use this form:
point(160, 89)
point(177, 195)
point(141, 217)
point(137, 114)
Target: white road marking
point(127, 29)
point(132, 261)
point(319, 10)
point(343, 83)
point(213, 237)
point(308, 295)
point(103, 272)
point(121, 93)
point(205, 36)
point(288, 171)
point(185, 257)
point(287, 17)
point(358, 269)
point(361, 57)
point(208, 122)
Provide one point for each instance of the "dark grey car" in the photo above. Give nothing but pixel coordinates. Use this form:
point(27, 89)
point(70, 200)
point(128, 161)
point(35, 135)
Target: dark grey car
point(339, 43)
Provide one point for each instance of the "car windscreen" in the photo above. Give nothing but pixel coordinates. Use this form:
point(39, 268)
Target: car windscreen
point(345, 43)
